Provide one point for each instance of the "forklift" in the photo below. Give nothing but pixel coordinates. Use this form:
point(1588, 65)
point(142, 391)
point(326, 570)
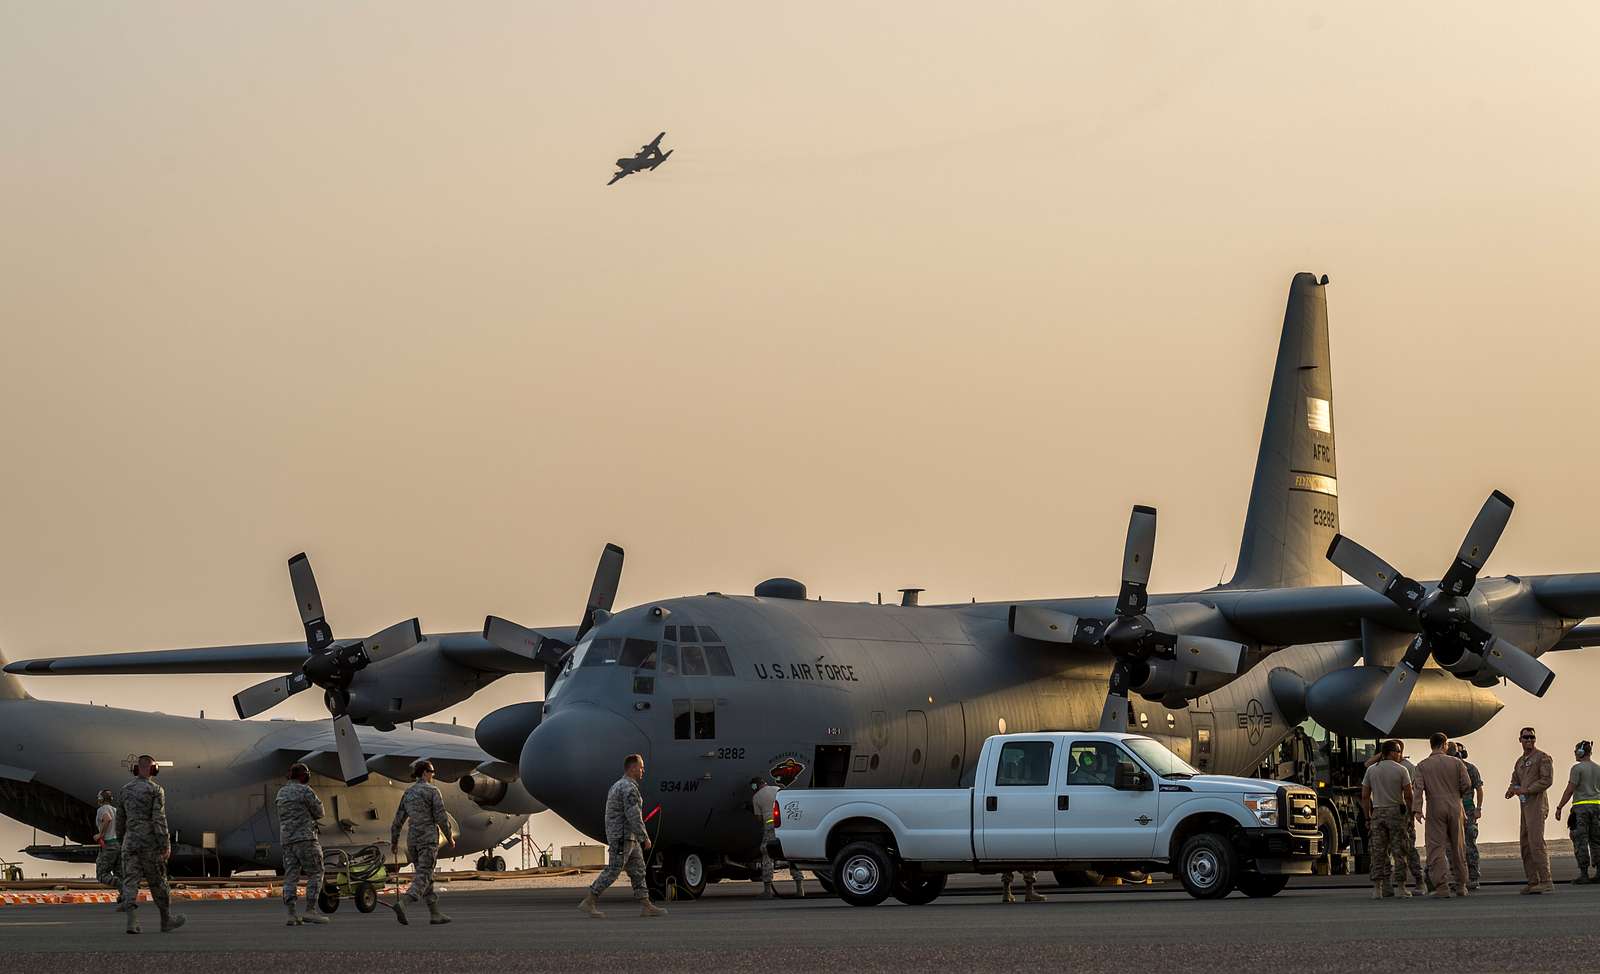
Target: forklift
point(1333, 766)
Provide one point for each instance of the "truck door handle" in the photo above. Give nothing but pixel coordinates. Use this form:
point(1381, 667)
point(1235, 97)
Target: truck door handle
point(991, 803)
point(1061, 803)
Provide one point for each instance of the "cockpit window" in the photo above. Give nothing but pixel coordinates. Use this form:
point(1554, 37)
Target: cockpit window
point(671, 634)
point(709, 635)
point(603, 652)
point(668, 657)
point(639, 654)
point(717, 659)
point(694, 661)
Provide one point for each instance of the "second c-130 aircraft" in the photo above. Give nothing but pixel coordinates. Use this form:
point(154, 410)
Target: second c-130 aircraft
point(716, 689)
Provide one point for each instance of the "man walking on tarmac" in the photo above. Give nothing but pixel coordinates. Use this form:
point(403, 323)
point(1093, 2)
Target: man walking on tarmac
point(626, 839)
point(299, 808)
point(1444, 781)
point(1386, 798)
point(1583, 788)
point(764, 797)
point(1530, 782)
point(146, 844)
point(108, 861)
point(424, 807)
point(1472, 802)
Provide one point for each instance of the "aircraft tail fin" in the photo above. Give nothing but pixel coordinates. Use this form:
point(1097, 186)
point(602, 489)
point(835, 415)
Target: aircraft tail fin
point(10, 686)
point(1294, 501)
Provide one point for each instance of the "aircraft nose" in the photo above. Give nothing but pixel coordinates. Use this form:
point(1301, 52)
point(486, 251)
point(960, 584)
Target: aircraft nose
point(573, 757)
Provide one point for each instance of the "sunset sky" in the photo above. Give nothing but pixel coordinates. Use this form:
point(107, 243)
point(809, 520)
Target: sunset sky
point(928, 295)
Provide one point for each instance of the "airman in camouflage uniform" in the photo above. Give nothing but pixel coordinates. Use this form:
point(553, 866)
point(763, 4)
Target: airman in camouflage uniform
point(424, 807)
point(1474, 809)
point(1386, 797)
point(298, 811)
point(764, 797)
point(108, 861)
point(625, 839)
point(1583, 790)
point(146, 845)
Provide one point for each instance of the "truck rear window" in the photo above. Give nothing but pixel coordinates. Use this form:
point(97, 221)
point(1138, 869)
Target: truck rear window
point(1024, 763)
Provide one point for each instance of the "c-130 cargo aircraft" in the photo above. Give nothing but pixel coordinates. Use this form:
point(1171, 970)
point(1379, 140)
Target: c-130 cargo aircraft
point(716, 689)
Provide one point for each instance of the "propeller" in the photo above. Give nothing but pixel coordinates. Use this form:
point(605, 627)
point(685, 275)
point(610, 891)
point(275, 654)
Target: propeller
point(1442, 616)
point(550, 651)
point(331, 665)
point(1129, 635)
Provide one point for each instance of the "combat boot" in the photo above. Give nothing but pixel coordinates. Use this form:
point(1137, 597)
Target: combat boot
point(768, 892)
point(649, 909)
point(1379, 891)
point(434, 916)
point(133, 918)
point(799, 888)
point(1403, 891)
point(1546, 887)
point(1441, 892)
point(294, 914)
point(1583, 878)
point(172, 921)
point(1031, 895)
point(1005, 895)
point(590, 907)
point(313, 916)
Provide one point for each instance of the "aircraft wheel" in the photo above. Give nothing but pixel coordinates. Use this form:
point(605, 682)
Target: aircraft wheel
point(328, 900)
point(1207, 866)
point(497, 864)
point(919, 890)
point(366, 897)
point(482, 864)
point(866, 873)
point(1257, 885)
point(688, 872)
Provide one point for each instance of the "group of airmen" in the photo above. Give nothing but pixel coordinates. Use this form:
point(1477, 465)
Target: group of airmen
point(1444, 793)
point(135, 843)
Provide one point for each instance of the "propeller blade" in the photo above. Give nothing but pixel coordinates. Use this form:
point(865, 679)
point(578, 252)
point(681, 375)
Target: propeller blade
point(1391, 700)
point(1375, 573)
point(1136, 556)
point(522, 641)
point(1208, 654)
point(1114, 715)
point(352, 763)
point(1479, 544)
point(603, 593)
point(318, 633)
point(393, 641)
point(1518, 666)
point(268, 694)
point(1044, 625)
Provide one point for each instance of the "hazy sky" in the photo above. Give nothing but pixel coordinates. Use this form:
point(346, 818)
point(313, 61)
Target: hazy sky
point(929, 294)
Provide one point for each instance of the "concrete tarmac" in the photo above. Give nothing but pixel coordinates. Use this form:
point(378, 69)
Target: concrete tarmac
point(1320, 924)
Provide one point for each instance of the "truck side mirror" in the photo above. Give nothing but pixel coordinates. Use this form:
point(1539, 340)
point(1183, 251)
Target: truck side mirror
point(1131, 778)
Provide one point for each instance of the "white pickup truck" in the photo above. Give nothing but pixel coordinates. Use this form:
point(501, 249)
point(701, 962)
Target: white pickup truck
point(1056, 801)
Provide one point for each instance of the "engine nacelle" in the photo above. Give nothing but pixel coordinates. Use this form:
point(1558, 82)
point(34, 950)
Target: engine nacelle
point(502, 796)
point(1460, 662)
point(1440, 701)
point(1173, 686)
point(503, 732)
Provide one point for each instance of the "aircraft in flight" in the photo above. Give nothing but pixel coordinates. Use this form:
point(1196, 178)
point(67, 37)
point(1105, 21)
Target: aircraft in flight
point(221, 778)
point(717, 689)
point(649, 157)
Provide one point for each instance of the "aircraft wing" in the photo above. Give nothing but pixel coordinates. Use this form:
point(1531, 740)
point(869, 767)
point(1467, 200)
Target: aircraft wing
point(1579, 637)
point(390, 754)
point(256, 658)
point(654, 145)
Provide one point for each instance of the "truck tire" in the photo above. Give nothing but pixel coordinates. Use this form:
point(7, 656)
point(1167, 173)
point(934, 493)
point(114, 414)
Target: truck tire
point(1257, 885)
point(824, 880)
point(919, 890)
point(1207, 866)
point(864, 873)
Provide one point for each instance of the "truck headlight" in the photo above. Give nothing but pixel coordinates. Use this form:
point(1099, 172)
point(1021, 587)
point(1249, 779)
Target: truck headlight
point(1265, 809)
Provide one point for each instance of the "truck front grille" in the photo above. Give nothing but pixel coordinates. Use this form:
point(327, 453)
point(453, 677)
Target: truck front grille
point(1302, 811)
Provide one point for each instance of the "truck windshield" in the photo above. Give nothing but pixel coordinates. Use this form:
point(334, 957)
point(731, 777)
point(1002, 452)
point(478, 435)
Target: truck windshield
point(1162, 761)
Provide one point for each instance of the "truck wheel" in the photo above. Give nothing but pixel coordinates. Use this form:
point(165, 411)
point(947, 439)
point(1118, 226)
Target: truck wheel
point(823, 880)
point(1207, 866)
point(1255, 884)
point(863, 873)
point(1329, 827)
point(919, 890)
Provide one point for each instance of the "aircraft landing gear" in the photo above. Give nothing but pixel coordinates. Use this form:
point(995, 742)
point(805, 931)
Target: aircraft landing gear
point(685, 868)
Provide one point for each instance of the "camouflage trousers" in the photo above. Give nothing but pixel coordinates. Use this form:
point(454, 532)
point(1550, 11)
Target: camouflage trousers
point(1006, 877)
point(1470, 828)
point(424, 857)
point(302, 859)
point(1406, 857)
point(143, 864)
point(1586, 835)
point(1387, 832)
point(769, 835)
point(108, 867)
point(622, 854)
